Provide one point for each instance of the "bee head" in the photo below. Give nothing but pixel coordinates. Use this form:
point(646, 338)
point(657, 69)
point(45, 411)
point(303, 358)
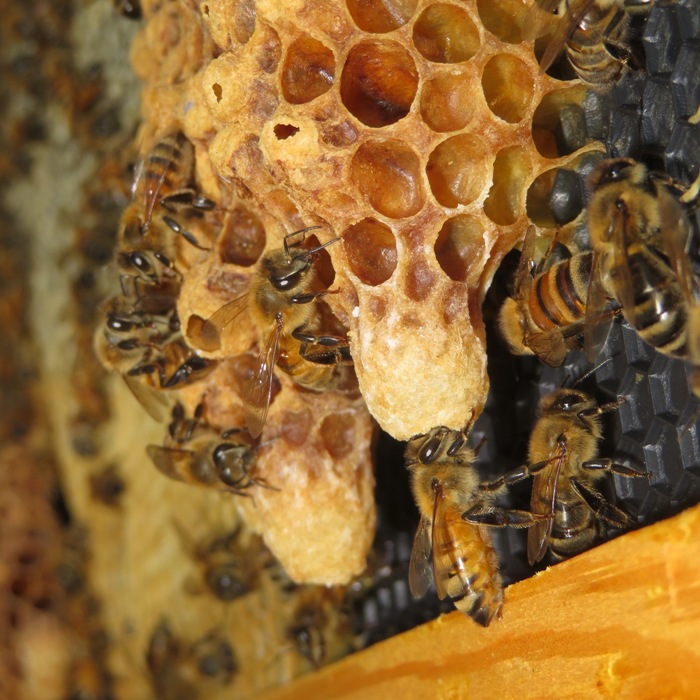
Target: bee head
point(233, 464)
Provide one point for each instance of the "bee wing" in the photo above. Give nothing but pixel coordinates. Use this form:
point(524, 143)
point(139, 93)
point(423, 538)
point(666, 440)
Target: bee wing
point(420, 572)
point(207, 334)
point(157, 405)
point(523, 278)
point(171, 461)
point(597, 320)
point(448, 528)
point(259, 392)
point(676, 232)
point(153, 187)
point(623, 283)
point(543, 502)
point(537, 17)
point(575, 12)
point(549, 346)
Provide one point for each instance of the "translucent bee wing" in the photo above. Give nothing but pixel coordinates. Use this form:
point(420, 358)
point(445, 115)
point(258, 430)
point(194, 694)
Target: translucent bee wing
point(523, 277)
point(575, 12)
point(548, 346)
point(150, 195)
point(537, 17)
point(170, 461)
point(597, 319)
point(447, 523)
point(206, 335)
point(420, 572)
point(156, 404)
point(623, 284)
point(543, 501)
point(259, 391)
point(676, 232)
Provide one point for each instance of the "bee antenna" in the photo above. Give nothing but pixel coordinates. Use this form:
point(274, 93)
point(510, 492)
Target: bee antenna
point(325, 245)
point(296, 233)
point(265, 444)
point(592, 371)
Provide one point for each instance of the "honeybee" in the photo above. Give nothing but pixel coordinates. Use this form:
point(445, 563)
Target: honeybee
point(229, 569)
point(107, 486)
point(455, 515)
point(563, 458)
point(161, 181)
point(150, 356)
point(178, 671)
point(195, 453)
point(640, 237)
point(593, 32)
point(306, 633)
point(281, 302)
point(546, 315)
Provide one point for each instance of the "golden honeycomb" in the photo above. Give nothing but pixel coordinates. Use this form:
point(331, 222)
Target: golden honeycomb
point(420, 134)
point(423, 135)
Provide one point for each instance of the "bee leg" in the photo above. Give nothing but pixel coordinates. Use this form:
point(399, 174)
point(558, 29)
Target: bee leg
point(183, 372)
point(189, 237)
point(600, 507)
point(501, 517)
point(515, 475)
point(166, 262)
point(608, 465)
point(311, 296)
point(187, 198)
point(338, 350)
point(617, 50)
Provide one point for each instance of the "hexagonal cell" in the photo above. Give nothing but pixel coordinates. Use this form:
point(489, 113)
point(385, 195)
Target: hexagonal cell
point(458, 170)
point(538, 202)
point(446, 34)
point(566, 198)
point(308, 70)
point(380, 16)
point(639, 355)
point(511, 170)
point(558, 126)
point(669, 391)
point(459, 244)
point(379, 82)
point(419, 279)
point(447, 102)
point(243, 20)
point(637, 413)
point(242, 238)
point(323, 264)
point(337, 432)
point(663, 455)
point(388, 174)
point(508, 85)
point(503, 18)
point(370, 247)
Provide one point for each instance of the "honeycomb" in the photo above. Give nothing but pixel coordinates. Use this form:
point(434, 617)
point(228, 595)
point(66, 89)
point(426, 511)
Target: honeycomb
point(423, 135)
point(417, 132)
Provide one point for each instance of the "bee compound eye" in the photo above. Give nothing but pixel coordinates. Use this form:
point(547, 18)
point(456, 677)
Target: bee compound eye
point(568, 401)
point(429, 450)
point(229, 462)
point(288, 281)
point(197, 363)
point(226, 585)
point(140, 262)
point(118, 324)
